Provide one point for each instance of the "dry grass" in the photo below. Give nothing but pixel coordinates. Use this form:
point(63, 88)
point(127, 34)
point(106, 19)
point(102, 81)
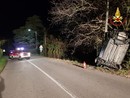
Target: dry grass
point(124, 73)
point(3, 62)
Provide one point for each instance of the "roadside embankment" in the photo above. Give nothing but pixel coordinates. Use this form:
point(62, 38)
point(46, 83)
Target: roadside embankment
point(3, 61)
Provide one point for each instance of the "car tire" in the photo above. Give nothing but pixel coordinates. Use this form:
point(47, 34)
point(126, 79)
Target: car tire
point(11, 57)
point(28, 58)
point(19, 58)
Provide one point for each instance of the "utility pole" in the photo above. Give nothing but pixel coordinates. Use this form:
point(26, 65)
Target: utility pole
point(107, 14)
point(36, 38)
point(35, 34)
point(128, 16)
point(45, 48)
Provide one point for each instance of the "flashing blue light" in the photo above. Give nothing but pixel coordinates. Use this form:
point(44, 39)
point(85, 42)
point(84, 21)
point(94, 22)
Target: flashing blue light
point(22, 48)
point(17, 48)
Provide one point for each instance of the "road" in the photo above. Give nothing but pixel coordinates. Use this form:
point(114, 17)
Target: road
point(42, 77)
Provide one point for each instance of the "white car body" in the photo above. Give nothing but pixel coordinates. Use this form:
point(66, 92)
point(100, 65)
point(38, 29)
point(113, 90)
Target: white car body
point(19, 54)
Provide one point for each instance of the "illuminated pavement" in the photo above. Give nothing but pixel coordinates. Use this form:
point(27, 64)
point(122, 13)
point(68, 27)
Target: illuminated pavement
point(42, 77)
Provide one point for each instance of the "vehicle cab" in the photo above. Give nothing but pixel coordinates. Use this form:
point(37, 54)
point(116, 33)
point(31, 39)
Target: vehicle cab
point(19, 53)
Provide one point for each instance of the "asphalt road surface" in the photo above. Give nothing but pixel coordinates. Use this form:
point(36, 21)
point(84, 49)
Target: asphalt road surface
point(42, 77)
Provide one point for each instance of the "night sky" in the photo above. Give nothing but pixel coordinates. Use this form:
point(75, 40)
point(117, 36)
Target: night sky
point(14, 13)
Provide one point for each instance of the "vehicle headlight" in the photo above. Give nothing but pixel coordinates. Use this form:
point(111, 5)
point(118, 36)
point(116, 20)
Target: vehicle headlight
point(22, 48)
point(17, 48)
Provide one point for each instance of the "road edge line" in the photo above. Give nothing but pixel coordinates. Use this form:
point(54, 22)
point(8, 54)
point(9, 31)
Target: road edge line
point(56, 82)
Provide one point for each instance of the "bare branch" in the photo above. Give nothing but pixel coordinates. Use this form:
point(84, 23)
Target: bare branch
point(82, 25)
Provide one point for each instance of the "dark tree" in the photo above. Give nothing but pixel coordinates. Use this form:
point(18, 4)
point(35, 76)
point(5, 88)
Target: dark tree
point(81, 22)
point(24, 37)
point(35, 24)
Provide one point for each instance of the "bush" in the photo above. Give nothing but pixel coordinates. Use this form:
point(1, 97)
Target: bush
point(1, 53)
point(55, 48)
point(3, 62)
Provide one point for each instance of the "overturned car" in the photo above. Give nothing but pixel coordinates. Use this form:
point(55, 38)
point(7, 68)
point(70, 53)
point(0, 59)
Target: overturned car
point(113, 51)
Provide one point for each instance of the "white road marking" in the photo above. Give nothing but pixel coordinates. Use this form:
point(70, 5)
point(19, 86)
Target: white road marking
point(56, 82)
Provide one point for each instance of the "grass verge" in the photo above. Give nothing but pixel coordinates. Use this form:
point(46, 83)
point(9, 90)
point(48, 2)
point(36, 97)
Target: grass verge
point(3, 61)
point(122, 72)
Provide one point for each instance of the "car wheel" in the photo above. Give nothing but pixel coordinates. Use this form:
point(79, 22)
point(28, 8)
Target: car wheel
point(28, 58)
point(11, 57)
point(20, 58)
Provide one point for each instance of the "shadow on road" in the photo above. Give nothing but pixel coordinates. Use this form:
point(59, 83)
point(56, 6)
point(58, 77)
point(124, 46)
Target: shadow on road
point(78, 65)
point(2, 86)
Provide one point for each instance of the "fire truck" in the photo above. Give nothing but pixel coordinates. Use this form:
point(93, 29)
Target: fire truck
point(19, 53)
